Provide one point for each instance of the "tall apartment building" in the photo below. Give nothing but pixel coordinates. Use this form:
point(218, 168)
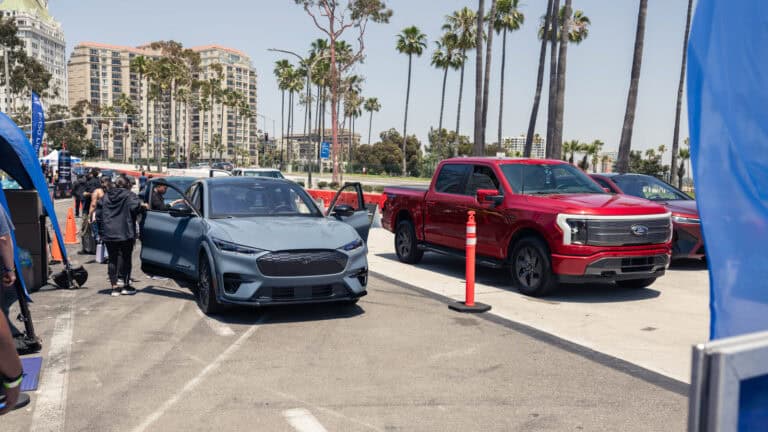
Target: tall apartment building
point(515, 146)
point(303, 147)
point(100, 73)
point(44, 41)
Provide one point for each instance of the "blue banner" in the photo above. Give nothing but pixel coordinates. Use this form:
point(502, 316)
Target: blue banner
point(38, 123)
point(325, 150)
point(728, 116)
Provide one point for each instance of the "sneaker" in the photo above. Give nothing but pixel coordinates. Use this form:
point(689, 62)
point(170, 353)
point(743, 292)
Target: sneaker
point(120, 283)
point(128, 291)
point(115, 292)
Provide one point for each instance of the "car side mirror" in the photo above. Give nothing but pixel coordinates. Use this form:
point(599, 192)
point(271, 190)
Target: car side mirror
point(489, 196)
point(343, 210)
point(181, 210)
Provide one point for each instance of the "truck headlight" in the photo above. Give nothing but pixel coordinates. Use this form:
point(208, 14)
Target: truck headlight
point(226, 246)
point(578, 231)
point(686, 220)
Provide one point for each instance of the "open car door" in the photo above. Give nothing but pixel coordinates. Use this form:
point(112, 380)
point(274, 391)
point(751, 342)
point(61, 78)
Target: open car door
point(348, 206)
point(167, 236)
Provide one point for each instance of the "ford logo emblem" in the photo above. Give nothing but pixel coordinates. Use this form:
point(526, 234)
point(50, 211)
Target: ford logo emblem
point(639, 230)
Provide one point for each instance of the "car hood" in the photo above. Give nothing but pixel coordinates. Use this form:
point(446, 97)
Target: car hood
point(682, 207)
point(597, 204)
point(284, 233)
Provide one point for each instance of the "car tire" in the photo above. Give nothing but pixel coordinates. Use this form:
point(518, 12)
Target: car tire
point(636, 283)
point(531, 267)
point(406, 244)
point(206, 289)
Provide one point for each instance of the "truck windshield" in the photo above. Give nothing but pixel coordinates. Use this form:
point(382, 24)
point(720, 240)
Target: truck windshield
point(545, 179)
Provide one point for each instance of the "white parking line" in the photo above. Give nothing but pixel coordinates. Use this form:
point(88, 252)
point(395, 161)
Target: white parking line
point(194, 382)
point(51, 404)
point(219, 328)
point(303, 420)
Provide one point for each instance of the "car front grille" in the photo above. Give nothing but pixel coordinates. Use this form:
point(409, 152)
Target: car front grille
point(302, 263)
point(628, 232)
point(302, 293)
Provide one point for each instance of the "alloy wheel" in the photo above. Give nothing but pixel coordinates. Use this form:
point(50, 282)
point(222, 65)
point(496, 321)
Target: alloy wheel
point(528, 267)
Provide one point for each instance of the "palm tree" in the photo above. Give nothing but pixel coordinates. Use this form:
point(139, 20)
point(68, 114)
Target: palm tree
point(126, 107)
point(282, 71)
point(570, 148)
point(446, 56)
point(594, 150)
point(462, 24)
point(371, 105)
point(410, 41)
point(676, 133)
point(539, 83)
point(684, 155)
point(245, 111)
point(625, 144)
point(140, 65)
point(573, 29)
point(555, 23)
point(507, 18)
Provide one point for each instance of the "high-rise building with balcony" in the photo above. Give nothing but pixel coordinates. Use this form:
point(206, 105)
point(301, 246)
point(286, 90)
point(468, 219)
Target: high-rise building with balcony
point(515, 146)
point(101, 73)
point(44, 41)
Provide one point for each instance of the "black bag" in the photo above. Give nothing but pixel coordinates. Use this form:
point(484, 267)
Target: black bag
point(76, 278)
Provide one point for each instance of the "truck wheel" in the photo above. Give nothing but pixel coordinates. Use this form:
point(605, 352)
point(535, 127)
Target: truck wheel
point(406, 245)
point(636, 283)
point(531, 268)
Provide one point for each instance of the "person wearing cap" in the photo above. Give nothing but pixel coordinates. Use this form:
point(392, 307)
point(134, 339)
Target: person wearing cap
point(157, 197)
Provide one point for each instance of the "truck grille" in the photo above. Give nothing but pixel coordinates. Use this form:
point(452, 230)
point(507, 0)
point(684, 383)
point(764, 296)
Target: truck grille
point(628, 232)
point(302, 263)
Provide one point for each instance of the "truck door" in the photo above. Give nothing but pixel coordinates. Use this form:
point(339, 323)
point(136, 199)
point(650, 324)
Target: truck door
point(491, 222)
point(446, 205)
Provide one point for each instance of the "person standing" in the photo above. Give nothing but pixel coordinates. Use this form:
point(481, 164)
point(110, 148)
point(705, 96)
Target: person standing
point(78, 188)
point(91, 184)
point(11, 372)
point(7, 269)
point(116, 216)
point(142, 180)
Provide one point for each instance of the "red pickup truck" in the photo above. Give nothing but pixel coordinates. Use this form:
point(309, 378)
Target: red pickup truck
point(544, 220)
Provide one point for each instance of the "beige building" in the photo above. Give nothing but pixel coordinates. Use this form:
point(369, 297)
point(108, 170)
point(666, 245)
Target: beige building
point(100, 73)
point(303, 147)
point(515, 146)
point(44, 41)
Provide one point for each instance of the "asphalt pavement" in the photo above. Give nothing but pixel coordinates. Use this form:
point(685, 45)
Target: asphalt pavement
point(399, 360)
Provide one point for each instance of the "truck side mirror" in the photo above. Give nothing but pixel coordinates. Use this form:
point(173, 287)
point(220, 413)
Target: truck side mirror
point(489, 196)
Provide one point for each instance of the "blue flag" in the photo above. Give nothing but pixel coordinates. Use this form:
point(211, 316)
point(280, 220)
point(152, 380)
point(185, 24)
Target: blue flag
point(38, 123)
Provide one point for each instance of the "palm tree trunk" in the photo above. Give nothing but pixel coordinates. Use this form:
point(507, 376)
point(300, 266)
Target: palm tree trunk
point(487, 79)
point(319, 133)
point(405, 121)
point(188, 132)
point(554, 29)
point(557, 133)
point(681, 83)
point(539, 83)
point(477, 149)
point(458, 110)
point(442, 104)
point(221, 129)
point(283, 131)
point(501, 88)
point(625, 144)
point(370, 126)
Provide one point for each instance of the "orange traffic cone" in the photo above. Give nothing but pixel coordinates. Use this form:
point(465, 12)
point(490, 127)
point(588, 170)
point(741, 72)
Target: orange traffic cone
point(55, 250)
point(70, 233)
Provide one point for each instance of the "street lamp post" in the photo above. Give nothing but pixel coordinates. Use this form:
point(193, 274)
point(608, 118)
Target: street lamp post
point(310, 66)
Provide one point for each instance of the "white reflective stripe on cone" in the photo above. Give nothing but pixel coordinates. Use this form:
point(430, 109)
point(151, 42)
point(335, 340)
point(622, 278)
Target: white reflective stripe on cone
point(471, 229)
point(471, 241)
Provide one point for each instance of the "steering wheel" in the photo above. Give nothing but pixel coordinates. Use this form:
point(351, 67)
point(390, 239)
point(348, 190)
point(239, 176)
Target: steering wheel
point(655, 198)
point(282, 207)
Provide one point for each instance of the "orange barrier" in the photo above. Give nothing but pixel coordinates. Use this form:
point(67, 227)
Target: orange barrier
point(347, 197)
point(469, 304)
point(70, 231)
point(56, 250)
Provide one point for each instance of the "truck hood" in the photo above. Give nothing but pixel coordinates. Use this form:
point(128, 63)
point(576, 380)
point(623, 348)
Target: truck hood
point(597, 204)
point(283, 233)
point(685, 208)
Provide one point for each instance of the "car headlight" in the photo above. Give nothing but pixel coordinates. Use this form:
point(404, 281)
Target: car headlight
point(355, 244)
point(578, 231)
point(686, 220)
point(226, 246)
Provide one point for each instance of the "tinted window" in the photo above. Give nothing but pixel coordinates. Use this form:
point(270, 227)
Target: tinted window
point(196, 197)
point(451, 178)
point(545, 179)
point(649, 188)
point(482, 177)
point(602, 183)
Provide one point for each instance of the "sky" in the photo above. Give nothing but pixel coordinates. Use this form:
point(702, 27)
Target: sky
point(598, 70)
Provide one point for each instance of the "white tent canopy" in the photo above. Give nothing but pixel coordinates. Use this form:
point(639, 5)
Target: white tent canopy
point(53, 158)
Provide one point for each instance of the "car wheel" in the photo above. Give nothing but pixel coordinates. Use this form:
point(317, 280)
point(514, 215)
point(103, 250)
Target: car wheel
point(531, 268)
point(206, 291)
point(636, 283)
point(406, 245)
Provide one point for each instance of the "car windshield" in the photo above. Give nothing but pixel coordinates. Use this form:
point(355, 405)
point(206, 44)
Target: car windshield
point(271, 174)
point(542, 179)
point(649, 188)
point(260, 198)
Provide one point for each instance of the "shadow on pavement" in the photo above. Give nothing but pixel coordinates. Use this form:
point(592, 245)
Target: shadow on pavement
point(689, 265)
point(167, 292)
point(499, 278)
point(288, 313)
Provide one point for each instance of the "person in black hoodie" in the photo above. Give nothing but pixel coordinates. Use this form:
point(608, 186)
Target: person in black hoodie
point(116, 215)
point(78, 189)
